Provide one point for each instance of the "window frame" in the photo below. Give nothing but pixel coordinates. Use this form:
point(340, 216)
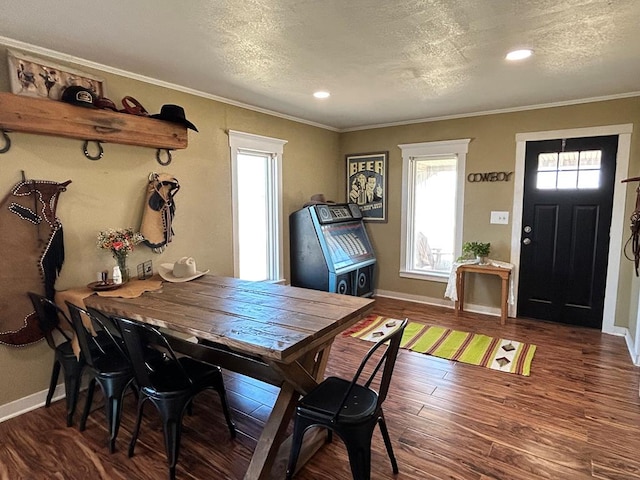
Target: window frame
point(421, 151)
point(241, 142)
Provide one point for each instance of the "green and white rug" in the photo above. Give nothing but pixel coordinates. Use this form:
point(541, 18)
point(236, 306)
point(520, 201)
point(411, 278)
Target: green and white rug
point(473, 348)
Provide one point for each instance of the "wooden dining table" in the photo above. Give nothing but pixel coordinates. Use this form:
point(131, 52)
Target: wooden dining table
point(278, 334)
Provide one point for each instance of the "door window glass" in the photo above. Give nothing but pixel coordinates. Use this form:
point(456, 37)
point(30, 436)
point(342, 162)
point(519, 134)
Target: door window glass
point(569, 170)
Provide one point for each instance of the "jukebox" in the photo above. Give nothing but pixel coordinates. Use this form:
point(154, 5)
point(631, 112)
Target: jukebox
point(330, 250)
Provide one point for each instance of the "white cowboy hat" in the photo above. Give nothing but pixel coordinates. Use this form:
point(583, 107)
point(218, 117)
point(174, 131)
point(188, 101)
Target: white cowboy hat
point(181, 271)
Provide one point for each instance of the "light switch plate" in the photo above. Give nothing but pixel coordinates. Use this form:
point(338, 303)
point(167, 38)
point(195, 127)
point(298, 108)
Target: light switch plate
point(500, 217)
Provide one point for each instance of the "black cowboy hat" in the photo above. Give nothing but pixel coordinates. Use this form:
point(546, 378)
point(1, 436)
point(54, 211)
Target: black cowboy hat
point(175, 114)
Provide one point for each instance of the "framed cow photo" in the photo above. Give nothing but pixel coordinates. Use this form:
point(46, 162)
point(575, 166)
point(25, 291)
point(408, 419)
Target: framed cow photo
point(367, 184)
point(39, 77)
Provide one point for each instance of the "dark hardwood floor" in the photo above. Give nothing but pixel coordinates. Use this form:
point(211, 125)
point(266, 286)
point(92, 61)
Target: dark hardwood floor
point(576, 417)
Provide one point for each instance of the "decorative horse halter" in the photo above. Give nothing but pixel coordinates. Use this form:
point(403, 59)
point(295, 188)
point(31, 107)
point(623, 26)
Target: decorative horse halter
point(32, 255)
point(634, 239)
point(159, 209)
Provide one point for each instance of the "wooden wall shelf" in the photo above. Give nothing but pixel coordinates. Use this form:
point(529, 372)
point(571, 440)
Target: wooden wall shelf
point(49, 117)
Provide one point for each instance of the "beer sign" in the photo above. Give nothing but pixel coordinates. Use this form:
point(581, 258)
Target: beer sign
point(367, 184)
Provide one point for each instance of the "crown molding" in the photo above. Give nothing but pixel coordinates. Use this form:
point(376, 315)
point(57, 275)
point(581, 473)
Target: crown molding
point(55, 55)
point(495, 112)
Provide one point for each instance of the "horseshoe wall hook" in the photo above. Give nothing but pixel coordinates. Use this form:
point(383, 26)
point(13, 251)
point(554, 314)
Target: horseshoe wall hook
point(159, 159)
point(85, 147)
point(7, 142)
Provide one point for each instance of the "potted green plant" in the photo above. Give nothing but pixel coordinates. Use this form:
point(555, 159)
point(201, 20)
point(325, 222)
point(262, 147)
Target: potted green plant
point(478, 250)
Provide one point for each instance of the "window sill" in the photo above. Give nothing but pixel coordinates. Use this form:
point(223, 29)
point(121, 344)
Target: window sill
point(430, 277)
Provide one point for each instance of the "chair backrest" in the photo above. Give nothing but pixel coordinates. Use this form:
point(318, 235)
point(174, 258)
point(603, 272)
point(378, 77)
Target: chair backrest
point(49, 315)
point(138, 339)
point(108, 324)
point(91, 348)
point(386, 362)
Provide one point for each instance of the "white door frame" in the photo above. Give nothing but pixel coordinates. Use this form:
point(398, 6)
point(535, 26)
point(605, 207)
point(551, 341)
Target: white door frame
point(617, 221)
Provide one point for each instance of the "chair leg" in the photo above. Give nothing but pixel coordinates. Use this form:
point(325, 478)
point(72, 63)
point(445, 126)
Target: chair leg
point(358, 443)
point(136, 429)
point(87, 404)
point(72, 377)
point(55, 372)
point(114, 391)
point(134, 387)
point(300, 426)
point(172, 428)
point(227, 413)
point(387, 443)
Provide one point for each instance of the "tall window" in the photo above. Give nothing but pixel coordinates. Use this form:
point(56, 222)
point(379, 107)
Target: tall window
point(257, 206)
point(432, 203)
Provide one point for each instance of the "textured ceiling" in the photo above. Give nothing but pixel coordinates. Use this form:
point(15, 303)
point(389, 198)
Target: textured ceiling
point(383, 61)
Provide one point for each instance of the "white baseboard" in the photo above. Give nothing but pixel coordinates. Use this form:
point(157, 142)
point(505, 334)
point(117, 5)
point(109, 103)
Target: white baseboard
point(439, 302)
point(28, 403)
point(635, 358)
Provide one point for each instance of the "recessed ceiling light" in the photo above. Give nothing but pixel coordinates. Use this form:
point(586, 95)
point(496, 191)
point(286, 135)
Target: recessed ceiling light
point(321, 94)
point(519, 54)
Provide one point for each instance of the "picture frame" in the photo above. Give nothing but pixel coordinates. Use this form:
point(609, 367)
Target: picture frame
point(39, 77)
point(145, 270)
point(367, 184)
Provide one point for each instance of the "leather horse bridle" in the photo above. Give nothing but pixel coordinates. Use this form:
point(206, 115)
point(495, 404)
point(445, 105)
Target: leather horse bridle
point(634, 239)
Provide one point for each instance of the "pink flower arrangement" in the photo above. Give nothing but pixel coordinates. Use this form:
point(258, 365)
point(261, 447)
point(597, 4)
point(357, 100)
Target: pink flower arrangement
point(120, 241)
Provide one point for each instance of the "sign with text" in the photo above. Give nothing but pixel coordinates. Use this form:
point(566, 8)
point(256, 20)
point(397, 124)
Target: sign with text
point(367, 184)
point(489, 177)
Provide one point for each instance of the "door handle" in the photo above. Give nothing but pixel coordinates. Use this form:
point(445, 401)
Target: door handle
point(526, 241)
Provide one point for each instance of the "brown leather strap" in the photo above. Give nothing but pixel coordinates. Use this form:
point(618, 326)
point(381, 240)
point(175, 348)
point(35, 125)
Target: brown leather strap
point(133, 106)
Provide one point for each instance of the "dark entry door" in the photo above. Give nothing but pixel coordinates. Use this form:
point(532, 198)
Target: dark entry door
point(568, 197)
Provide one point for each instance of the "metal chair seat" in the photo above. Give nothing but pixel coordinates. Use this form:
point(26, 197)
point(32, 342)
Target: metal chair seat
point(106, 364)
point(351, 409)
point(169, 382)
point(323, 402)
point(50, 317)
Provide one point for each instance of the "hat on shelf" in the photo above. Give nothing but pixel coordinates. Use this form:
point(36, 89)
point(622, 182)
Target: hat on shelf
point(77, 95)
point(105, 104)
point(318, 199)
point(181, 271)
point(175, 114)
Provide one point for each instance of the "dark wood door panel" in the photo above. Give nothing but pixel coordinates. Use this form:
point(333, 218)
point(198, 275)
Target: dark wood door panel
point(565, 237)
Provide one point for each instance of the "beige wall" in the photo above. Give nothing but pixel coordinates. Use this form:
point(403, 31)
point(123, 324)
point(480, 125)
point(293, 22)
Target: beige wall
point(110, 192)
point(492, 148)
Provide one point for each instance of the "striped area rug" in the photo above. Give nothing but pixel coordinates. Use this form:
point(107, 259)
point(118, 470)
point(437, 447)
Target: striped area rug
point(495, 353)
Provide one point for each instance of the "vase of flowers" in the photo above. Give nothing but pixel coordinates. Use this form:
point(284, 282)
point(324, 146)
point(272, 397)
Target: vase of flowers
point(120, 242)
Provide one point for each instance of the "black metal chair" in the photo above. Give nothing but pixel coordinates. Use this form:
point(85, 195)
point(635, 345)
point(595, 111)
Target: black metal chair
point(107, 364)
point(351, 409)
point(170, 384)
point(49, 318)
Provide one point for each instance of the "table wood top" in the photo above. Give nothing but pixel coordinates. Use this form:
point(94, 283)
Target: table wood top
point(476, 267)
point(272, 321)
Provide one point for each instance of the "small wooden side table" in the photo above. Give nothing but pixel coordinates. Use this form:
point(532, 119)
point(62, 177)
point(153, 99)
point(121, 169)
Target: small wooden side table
point(503, 273)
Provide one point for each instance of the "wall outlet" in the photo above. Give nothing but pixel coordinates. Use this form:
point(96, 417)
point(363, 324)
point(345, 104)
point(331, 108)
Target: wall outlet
point(500, 217)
